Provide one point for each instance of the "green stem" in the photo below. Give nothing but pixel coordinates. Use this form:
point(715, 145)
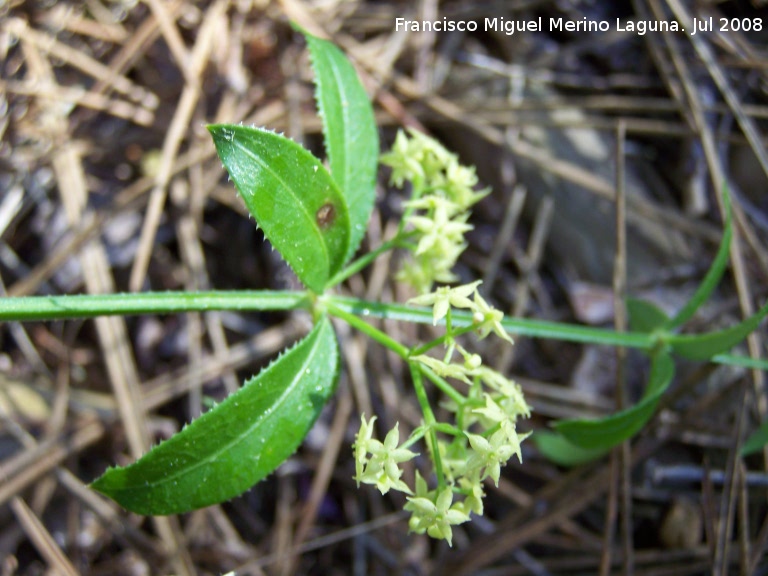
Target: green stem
point(429, 421)
point(415, 436)
point(376, 334)
point(440, 340)
point(515, 326)
point(28, 308)
point(449, 429)
point(443, 385)
point(398, 241)
point(364, 261)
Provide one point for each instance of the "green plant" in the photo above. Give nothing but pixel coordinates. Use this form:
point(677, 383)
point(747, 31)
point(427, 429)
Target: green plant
point(316, 218)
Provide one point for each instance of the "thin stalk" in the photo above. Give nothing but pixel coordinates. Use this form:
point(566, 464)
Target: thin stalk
point(429, 421)
point(440, 340)
point(363, 326)
point(448, 429)
point(365, 260)
point(443, 385)
point(415, 436)
point(450, 349)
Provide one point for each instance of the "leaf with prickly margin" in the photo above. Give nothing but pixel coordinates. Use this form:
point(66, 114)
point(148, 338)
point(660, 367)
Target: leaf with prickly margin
point(292, 197)
point(349, 127)
point(239, 442)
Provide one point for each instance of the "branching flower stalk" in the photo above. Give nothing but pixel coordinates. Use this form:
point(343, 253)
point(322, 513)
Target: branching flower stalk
point(482, 434)
point(481, 438)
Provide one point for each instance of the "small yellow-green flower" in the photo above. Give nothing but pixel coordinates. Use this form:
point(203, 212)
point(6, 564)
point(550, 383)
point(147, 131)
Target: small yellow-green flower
point(491, 454)
point(420, 274)
point(444, 369)
point(436, 517)
point(513, 402)
point(510, 396)
point(491, 411)
point(433, 202)
point(362, 441)
point(473, 501)
point(472, 362)
point(453, 455)
point(382, 467)
point(445, 297)
point(460, 183)
point(489, 319)
point(404, 163)
point(439, 232)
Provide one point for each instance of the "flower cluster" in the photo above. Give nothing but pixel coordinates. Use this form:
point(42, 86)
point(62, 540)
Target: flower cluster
point(381, 468)
point(481, 438)
point(437, 214)
point(486, 317)
point(434, 512)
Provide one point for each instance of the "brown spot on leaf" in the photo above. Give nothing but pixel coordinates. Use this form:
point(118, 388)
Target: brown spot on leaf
point(325, 215)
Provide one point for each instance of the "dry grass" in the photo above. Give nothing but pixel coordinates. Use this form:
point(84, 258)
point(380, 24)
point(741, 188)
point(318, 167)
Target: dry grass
point(109, 182)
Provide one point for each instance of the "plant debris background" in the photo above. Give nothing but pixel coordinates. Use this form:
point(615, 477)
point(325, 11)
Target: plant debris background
point(109, 182)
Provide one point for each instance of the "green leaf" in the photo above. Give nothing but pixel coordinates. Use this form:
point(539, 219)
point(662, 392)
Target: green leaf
point(742, 361)
point(705, 346)
point(292, 197)
point(604, 433)
point(645, 316)
point(349, 127)
point(756, 440)
point(230, 448)
point(715, 272)
point(557, 449)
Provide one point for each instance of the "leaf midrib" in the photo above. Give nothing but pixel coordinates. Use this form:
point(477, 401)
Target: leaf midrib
point(296, 202)
point(240, 438)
